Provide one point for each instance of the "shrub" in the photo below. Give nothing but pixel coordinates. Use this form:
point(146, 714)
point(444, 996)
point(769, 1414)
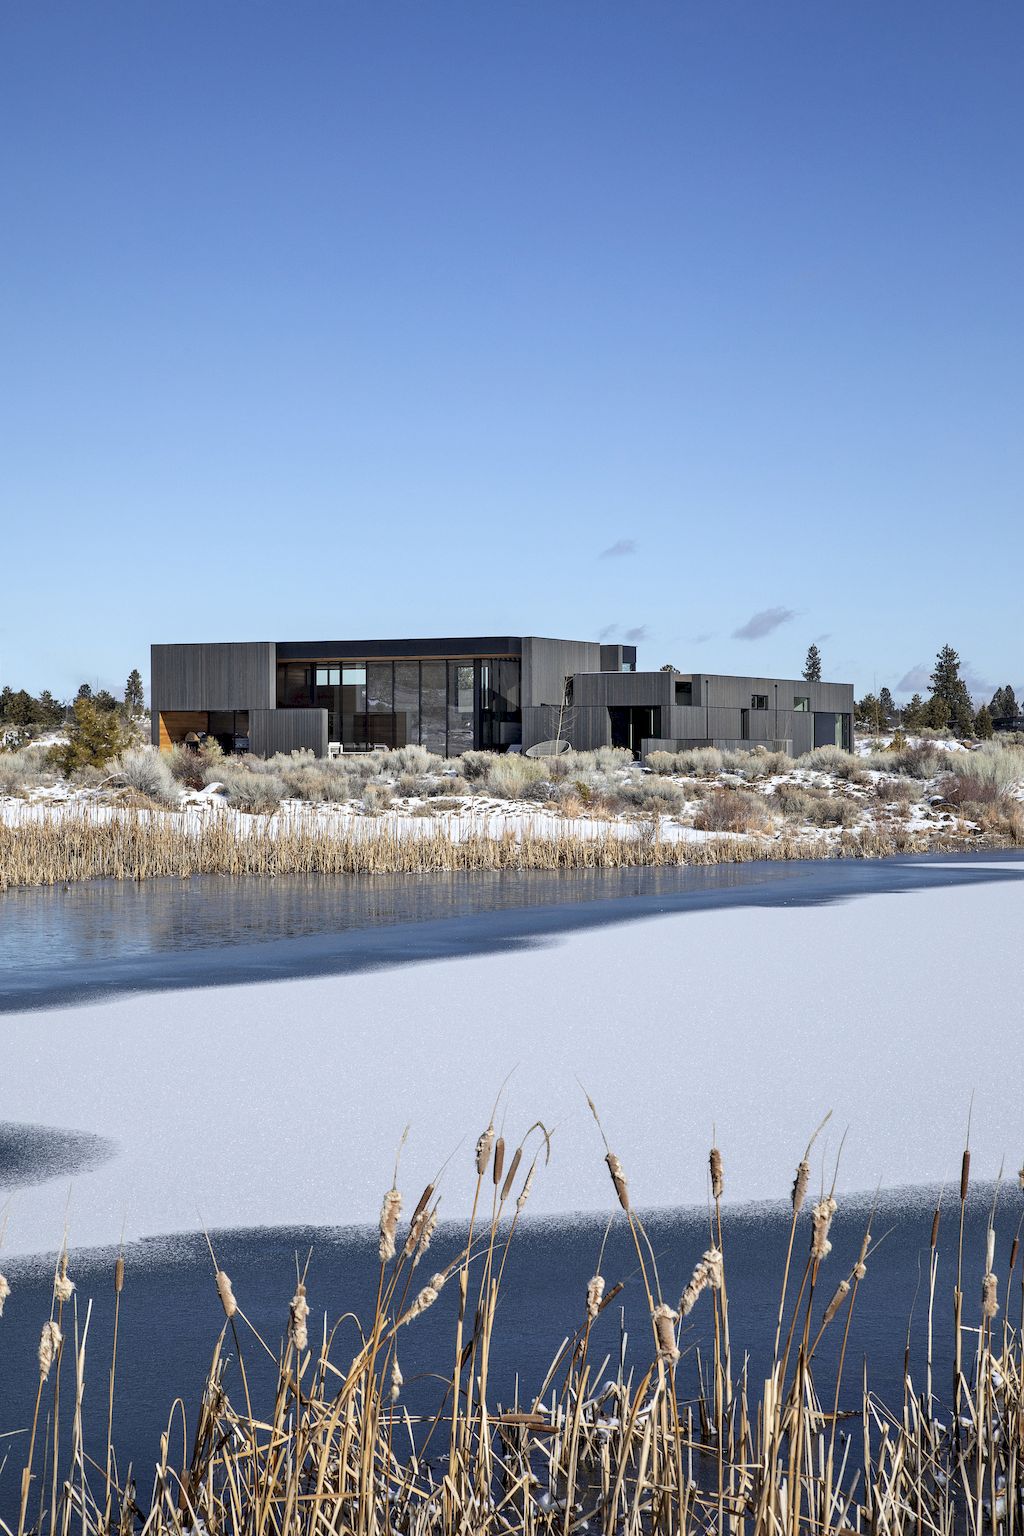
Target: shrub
point(149, 773)
point(901, 790)
point(413, 759)
point(963, 791)
point(921, 762)
point(832, 811)
point(476, 765)
point(509, 775)
point(248, 790)
point(731, 810)
point(376, 798)
point(612, 759)
point(661, 762)
point(992, 764)
point(792, 800)
point(651, 794)
point(699, 762)
point(24, 769)
point(830, 759)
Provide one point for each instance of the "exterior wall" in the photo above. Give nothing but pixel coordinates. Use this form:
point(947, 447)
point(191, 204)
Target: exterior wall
point(718, 717)
point(547, 664)
point(287, 730)
point(636, 689)
point(584, 729)
point(236, 675)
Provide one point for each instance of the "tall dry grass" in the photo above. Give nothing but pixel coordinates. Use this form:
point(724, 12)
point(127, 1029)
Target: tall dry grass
point(655, 1440)
point(142, 845)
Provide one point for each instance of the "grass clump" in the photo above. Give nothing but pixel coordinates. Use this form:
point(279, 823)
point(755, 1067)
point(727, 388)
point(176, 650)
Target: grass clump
point(27, 768)
point(732, 810)
point(147, 772)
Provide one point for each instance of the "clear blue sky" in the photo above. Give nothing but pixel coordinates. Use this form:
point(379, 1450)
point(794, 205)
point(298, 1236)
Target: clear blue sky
point(325, 319)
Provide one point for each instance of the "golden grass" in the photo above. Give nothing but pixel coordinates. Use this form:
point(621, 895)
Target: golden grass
point(659, 1443)
point(134, 844)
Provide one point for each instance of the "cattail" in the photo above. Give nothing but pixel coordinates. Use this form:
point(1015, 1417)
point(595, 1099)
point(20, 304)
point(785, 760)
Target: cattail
point(119, 1274)
point(595, 1295)
point(860, 1269)
point(821, 1218)
point(990, 1250)
point(389, 1214)
point(965, 1174)
point(50, 1341)
point(1020, 1177)
point(839, 1295)
point(397, 1379)
point(618, 1179)
point(664, 1320)
point(989, 1296)
point(298, 1311)
point(717, 1184)
point(483, 1150)
point(63, 1286)
point(5, 1291)
point(524, 1193)
point(803, 1174)
point(707, 1274)
point(935, 1228)
point(226, 1294)
point(425, 1298)
point(421, 1230)
point(499, 1159)
point(517, 1158)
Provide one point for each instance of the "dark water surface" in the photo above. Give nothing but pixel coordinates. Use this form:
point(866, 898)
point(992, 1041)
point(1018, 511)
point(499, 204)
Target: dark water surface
point(64, 946)
point(171, 1317)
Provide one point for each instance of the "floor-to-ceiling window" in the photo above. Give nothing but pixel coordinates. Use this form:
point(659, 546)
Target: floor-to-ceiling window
point(447, 706)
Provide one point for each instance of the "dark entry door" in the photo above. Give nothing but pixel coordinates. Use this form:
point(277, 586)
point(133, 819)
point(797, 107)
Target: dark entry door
point(632, 723)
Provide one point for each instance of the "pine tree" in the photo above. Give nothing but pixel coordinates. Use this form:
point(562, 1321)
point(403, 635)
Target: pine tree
point(983, 724)
point(84, 692)
point(50, 711)
point(22, 708)
point(868, 712)
point(134, 698)
point(949, 688)
point(1009, 701)
point(887, 705)
point(812, 666)
point(936, 713)
point(95, 735)
point(1004, 703)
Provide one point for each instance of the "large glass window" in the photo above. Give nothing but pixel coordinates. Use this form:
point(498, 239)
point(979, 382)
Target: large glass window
point(294, 683)
point(407, 703)
point(353, 705)
point(461, 707)
point(433, 700)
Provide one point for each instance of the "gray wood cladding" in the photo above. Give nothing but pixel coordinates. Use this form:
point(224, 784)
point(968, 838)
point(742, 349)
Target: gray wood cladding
point(233, 675)
point(287, 730)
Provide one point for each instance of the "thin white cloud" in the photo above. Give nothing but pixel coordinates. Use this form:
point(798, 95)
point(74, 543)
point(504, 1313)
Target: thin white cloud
point(618, 549)
point(763, 623)
point(916, 680)
point(639, 633)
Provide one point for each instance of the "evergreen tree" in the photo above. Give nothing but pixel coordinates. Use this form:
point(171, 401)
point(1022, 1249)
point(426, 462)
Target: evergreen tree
point(134, 699)
point(49, 711)
point(668, 667)
point(1009, 701)
point(936, 713)
point(887, 705)
point(84, 692)
point(949, 688)
point(105, 700)
point(868, 712)
point(812, 666)
point(95, 735)
point(913, 715)
point(6, 695)
point(21, 709)
point(1004, 703)
point(983, 724)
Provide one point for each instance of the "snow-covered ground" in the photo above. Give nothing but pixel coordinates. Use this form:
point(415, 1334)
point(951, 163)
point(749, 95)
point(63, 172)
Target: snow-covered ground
point(284, 1103)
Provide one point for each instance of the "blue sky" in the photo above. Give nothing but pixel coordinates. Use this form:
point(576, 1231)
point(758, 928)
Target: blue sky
point(563, 317)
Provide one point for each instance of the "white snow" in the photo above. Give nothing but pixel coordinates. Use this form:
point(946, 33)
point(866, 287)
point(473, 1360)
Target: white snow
point(284, 1103)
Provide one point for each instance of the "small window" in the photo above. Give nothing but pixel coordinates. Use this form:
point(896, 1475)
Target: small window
point(802, 704)
point(684, 693)
point(759, 701)
point(328, 677)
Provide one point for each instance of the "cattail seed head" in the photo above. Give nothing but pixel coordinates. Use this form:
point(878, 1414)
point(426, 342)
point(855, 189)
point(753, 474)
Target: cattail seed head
point(513, 1169)
point(499, 1159)
point(63, 1286)
point(935, 1228)
point(226, 1294)
point(664, 1320)
point(965, 1174)
point(5, 1291)
point(421, 1230)
point(524, 1193)
point(389, 1214)
point(803, 1175)
point(298, 1312)
point(618, 1179)
point(821, 1222)
point(707, 1274)
point(989, 1296)
point(425, 1298)
point(860, 1269)
point(397, 1379)
point(50, 1341)
point(717, 1184)
point(483, 1150)
point(595, 1295)
point(838, 1296)
point(119, 1274)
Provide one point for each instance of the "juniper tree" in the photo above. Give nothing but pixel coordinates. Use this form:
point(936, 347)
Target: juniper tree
point(887, 705)
point(983, 724)
point(812, 666)
point(913, 715)
point(1004, 703)
point(95, 735)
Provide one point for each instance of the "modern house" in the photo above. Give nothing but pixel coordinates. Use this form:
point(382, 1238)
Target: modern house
point(492, 692)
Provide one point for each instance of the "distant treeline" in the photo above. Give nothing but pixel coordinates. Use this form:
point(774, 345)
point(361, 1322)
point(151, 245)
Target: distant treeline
point(21, 709)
